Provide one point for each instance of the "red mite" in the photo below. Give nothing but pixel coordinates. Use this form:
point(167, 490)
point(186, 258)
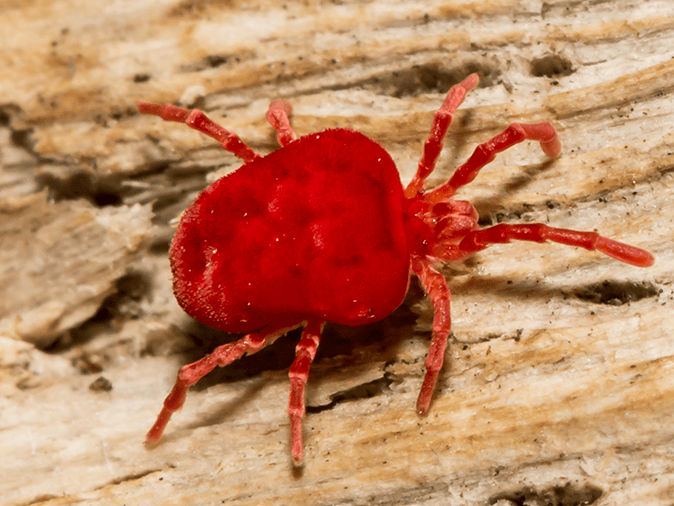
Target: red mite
point(322, 230)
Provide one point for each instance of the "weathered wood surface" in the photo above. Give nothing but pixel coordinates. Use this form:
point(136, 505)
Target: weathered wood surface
point(559, 387)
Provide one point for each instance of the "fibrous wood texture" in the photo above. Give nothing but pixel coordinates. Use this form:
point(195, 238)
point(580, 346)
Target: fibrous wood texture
point(559, 381)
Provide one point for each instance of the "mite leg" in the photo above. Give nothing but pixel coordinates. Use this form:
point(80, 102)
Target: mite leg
point(278, 116)
point(537, 232)
point(484, 153)
point(191, 373)
point(299, 373)
point(435, 286)
point(441, 121)
point(199, 121)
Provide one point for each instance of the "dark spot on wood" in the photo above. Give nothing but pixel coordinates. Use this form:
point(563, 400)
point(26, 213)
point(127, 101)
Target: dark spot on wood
point(551, 66)
point(101, 384)
point(141, 78)
point(432, 77)
point(216, 60)
point(616, 293)
point(559, 495)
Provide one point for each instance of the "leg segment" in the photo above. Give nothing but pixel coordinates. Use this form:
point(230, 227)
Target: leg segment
point(435, 286)
point(191, 373)
point(441, 121)
point(537, 232)
point(305, 352)
point(278, 117)
point(484, 153)
point(199, 121)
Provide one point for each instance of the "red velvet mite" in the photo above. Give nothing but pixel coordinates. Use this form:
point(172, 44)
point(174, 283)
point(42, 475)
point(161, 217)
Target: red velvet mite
point(322, 230)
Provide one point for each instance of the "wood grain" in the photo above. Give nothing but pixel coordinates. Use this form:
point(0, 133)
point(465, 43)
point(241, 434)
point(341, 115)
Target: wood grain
point(559, 383)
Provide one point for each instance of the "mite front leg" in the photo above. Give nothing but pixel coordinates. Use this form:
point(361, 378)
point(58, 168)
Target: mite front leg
point(435, 286)
point(305, 352)
point(197, 120)
point(537, 232)
point(543, 132)
point(191, 373)
point(441, 121)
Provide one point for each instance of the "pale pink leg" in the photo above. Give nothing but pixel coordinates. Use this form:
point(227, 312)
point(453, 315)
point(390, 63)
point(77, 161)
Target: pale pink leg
point(484, 153)
point(441, 121)
point(199, 121)
point(537, 232)
point(191, 373)
point(299, 374)
point(278, 116)
point(435, 286)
